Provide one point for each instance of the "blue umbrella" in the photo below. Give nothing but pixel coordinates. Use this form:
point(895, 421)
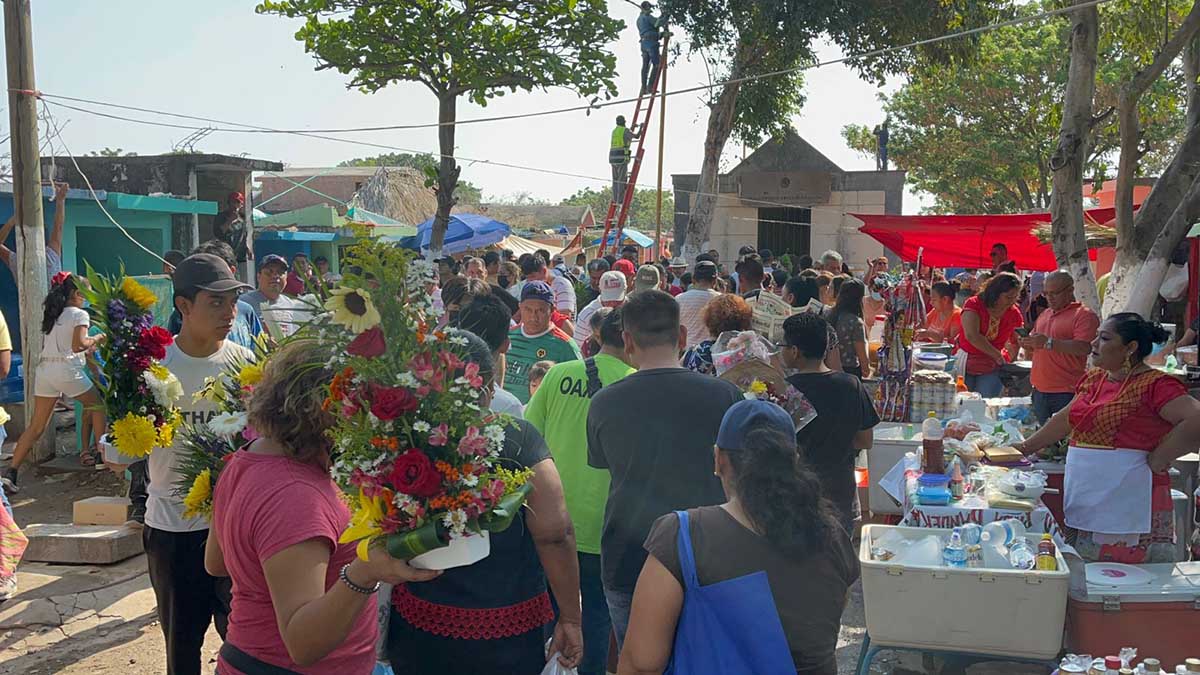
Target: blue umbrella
point(630, 234)
point(466, 231)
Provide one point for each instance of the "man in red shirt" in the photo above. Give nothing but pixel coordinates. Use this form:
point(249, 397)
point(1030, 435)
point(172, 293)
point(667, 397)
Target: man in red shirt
point(1060, 344)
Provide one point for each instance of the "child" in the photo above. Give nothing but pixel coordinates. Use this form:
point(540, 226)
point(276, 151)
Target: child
point(536, 373)
point(62, 368)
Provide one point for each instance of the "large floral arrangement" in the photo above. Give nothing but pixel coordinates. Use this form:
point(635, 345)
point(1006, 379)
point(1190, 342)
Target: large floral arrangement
point(140, 395)
point(760, 380)
point(208, 446)
point(415, 449)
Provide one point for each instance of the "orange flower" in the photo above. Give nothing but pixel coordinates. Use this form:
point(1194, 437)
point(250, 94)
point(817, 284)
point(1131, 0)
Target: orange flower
point(452, 474)
point(337, 388)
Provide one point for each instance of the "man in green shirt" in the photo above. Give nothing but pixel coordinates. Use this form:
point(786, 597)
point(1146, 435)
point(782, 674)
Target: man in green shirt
point(536, 339)
point(559, 410)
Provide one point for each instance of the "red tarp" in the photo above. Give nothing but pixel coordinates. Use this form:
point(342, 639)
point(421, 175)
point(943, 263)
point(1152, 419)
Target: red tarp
point(965, 241)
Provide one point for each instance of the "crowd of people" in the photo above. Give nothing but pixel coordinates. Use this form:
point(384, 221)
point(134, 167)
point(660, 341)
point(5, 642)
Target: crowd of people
point(654, 479)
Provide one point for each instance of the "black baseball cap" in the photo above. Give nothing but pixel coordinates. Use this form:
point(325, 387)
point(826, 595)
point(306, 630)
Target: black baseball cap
point(746, 250)
point(273, 259)
point(705, 269)
point(629, 248)
point(205, 272)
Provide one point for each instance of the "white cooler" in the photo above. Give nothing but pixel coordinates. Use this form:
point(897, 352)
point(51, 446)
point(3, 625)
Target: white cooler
point(889, 447)
point(1015, 613)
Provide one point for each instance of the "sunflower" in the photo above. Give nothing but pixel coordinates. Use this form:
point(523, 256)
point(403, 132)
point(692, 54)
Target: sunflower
point(198, 501)
point(352, 308)
point(138, 294)
point(134, 435)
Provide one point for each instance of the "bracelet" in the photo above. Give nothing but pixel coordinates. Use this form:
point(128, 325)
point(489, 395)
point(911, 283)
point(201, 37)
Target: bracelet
point(353, 586)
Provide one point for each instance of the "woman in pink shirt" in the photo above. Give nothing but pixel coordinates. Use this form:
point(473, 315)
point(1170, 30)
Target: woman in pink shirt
point(988, 323)
point(301, 601)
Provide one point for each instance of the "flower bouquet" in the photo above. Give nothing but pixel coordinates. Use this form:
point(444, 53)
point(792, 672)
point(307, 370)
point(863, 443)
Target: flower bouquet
point(759, 380)
point(207, 447)
point(733, 347)
point(139, 394)
point(413, 445)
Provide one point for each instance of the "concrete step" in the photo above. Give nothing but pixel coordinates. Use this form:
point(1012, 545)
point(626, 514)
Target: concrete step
point(82, 544)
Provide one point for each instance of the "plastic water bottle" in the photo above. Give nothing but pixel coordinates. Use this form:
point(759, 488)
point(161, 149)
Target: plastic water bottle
point(1002, 533)
point(955, 553)
point(932, 458)
point(1021, 556)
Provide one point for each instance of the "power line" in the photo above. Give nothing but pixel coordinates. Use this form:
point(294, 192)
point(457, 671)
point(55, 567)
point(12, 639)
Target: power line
point(246, 128)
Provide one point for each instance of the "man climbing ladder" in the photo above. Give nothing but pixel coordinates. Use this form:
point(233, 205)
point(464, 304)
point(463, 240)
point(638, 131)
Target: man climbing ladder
point(619, 155)
point(650, 38)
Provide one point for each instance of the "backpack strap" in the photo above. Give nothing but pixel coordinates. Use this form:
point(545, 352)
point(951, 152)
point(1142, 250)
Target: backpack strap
point(593, 376)
point(687, 562)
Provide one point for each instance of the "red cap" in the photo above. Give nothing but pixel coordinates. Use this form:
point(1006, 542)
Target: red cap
point(625, 267)
point(237, 197)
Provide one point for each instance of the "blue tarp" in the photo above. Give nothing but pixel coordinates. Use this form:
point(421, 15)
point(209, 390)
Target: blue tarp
point(289, 235)
point(466, 231)
point(632, 235)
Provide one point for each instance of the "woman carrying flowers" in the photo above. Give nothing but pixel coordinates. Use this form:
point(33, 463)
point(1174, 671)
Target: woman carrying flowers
point(62, 368)
point(488, 617)
point(301, 600)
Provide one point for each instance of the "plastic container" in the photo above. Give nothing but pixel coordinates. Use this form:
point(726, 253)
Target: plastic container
point(891, 443)
point(1160, 616)
point(939, 608)
point(933, 489)
point(933, 459)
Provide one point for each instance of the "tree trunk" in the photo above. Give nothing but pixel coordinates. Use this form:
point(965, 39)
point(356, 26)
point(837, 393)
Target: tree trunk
point(1149, 279)
point(1191, 73)
point(721, 116)
point(448, 172)
point(1066, 200)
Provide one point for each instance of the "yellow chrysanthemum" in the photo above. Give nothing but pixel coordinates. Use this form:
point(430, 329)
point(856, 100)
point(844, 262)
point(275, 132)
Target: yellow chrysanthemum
point(134, 435)
point(758, 387)
point(364, 524)
point(250, 375)
point(198, 501)
point(166, 432)
point(138, 294)
point(352, 308)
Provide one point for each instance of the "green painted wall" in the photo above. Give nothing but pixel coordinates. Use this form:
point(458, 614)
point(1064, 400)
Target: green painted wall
point(90, 236)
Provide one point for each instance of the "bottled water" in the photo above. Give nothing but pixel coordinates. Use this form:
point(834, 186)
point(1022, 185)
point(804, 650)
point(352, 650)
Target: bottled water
point(955, 553)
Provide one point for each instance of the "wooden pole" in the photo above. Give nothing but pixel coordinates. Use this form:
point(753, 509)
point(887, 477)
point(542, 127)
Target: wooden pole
point(662, 128)
point(27, 195)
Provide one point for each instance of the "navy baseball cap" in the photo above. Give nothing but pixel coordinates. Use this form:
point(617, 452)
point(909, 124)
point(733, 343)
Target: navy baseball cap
point(748, 415)
point(273, 259)
point(537, 290)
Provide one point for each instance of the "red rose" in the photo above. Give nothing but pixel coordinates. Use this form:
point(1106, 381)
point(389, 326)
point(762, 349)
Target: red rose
point(369, 344)
point(154, 341)
point(388, 403)
point(414, 475)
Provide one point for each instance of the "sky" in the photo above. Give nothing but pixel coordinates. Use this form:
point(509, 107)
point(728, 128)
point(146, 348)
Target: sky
point(219, 59)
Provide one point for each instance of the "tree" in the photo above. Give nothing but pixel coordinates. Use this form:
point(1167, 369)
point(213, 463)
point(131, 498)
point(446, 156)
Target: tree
point(642, 210)
point(112, 152)
point(479, 49)
point(427, 164)
point(743, 38)
point(978, 135)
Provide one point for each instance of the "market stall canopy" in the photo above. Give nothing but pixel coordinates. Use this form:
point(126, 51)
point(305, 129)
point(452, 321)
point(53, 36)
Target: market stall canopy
point(630, 235)
point(965, 241)
point(465, 231)
point(520, 245)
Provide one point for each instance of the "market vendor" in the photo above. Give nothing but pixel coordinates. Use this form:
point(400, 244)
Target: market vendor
point(1126, 424)
point(944, 321)
point(989, 321)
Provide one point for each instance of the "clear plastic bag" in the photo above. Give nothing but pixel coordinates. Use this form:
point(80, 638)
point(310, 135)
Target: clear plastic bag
point(553, 667)
point(734, 347)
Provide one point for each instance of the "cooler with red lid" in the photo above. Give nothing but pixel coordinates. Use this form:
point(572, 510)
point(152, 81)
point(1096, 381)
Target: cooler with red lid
point(1155, 608)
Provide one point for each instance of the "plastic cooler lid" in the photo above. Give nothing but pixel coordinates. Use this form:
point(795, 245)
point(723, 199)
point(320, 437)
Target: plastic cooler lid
point(1161, 582)
point(934, 479)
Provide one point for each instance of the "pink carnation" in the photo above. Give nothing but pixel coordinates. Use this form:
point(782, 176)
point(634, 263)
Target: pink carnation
point(473, 444)
point(439, 435)
point(472, 374)
point(422, 367)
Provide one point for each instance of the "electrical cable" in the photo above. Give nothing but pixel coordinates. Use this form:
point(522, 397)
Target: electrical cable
point(598, 105)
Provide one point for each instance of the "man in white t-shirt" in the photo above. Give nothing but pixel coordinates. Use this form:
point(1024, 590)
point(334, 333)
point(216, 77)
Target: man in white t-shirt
point(206, 295)
point(612, 294)
point(279, 314)
point(693, 300)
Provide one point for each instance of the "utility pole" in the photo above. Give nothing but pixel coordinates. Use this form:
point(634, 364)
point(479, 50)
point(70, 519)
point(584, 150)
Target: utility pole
point(27, 195)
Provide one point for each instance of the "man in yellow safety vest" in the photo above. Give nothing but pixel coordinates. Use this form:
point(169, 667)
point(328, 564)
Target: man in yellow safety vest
point(618, 157)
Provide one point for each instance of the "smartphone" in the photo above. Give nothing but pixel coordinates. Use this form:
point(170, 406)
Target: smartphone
point(1023, 332)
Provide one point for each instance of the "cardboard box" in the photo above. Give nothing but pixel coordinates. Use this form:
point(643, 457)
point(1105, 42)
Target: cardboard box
point(101, 511)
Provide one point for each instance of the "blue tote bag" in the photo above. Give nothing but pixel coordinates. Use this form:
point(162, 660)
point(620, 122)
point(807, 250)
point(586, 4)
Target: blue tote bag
point(728, 628)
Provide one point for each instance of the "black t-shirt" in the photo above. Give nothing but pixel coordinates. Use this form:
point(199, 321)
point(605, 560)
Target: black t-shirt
point(844, 408)
point(810, 593)
point(512, 572)
point(654, 431)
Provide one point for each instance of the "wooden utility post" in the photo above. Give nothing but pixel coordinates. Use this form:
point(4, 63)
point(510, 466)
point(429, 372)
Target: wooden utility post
point(662, 135)
point(27, 195)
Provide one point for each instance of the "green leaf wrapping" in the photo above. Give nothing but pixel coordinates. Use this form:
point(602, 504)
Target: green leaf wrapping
point(499, 518)
point(413, 543)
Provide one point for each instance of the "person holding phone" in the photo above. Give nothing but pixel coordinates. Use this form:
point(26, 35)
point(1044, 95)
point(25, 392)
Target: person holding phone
point(1059, 345)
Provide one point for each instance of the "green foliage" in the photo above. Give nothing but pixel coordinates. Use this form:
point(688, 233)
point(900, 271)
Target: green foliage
point(978, 134)
point(427, 164)
point(642, 209)
point(111, 152)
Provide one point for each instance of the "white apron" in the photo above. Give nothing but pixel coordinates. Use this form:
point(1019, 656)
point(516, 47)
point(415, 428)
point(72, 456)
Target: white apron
point(1108, 491)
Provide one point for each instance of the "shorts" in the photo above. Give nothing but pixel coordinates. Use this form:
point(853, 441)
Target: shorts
point(61, 376)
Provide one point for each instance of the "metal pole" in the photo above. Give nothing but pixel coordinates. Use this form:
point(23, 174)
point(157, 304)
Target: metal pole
point(662, 128)
point(27, 196)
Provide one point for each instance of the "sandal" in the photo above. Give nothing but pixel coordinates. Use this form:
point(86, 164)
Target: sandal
point(89, 457)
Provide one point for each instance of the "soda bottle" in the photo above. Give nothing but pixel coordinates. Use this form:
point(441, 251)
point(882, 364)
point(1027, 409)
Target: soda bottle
point(932, 457)
point(1046, 559)
point(955, 554)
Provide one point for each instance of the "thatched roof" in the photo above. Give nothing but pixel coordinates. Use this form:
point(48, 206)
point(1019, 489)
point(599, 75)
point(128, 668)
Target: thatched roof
point(397, 193)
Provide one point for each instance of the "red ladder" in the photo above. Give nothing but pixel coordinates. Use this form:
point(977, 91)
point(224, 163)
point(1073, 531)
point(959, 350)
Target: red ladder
point(621, 211)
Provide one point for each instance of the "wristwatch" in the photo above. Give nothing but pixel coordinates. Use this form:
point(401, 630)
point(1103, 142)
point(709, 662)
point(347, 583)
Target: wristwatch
point(1049, 344)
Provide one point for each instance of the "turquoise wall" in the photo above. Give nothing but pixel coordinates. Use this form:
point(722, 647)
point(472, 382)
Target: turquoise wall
point(89, 236)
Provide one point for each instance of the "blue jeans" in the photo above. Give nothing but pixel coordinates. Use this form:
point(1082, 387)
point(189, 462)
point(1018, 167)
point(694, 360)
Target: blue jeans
point(619, 603)
point(596, 621)
point(1046, 405)
point(987, 385)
